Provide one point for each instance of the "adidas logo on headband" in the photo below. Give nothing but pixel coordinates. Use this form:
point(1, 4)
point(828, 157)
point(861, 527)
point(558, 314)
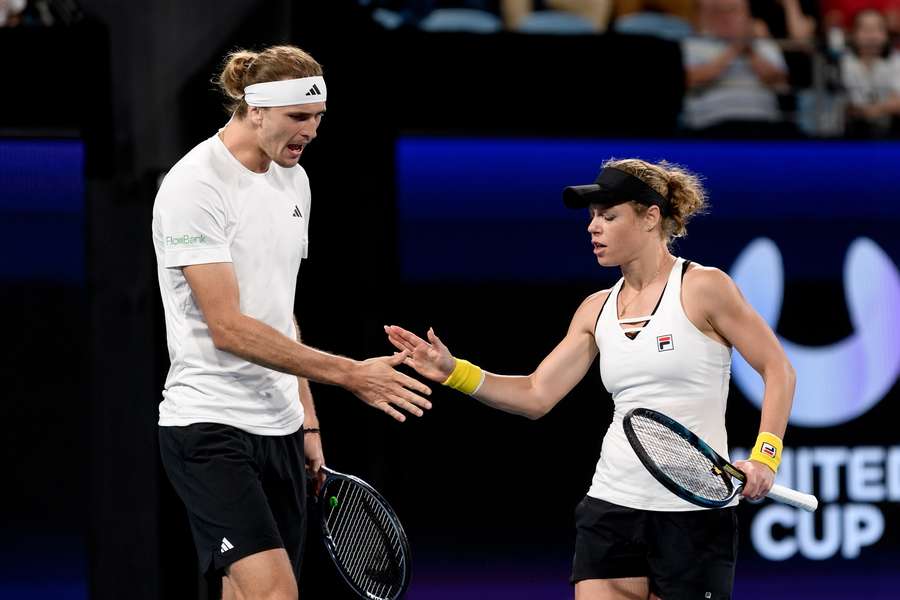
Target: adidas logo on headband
point(286, 92)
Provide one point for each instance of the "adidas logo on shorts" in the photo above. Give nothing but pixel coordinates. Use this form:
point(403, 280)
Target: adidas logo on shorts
point(226, 545)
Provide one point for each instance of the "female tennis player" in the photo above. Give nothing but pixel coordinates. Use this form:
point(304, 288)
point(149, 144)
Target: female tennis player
point(664, 333)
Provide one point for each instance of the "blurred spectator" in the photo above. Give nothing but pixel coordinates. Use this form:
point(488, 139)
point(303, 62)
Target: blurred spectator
point(11, 12)
point(669, 19)
point(794, 20)
point(556, 16)
point(870, 72)
point(840, 13)
point(732, 75)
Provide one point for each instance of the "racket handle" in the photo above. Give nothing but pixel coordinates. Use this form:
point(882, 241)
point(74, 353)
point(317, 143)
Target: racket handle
point(793, 497)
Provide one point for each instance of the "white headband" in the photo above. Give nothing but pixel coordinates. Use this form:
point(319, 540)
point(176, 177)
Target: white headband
point(286, 92)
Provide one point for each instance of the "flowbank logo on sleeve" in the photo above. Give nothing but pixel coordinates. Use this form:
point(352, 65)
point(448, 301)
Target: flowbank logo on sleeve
point(173, 241)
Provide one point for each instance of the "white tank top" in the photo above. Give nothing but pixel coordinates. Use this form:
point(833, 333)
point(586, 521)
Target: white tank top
point(672, 367)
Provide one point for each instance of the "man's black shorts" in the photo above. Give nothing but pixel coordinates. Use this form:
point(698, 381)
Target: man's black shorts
point(683, 554)
point(244, 493)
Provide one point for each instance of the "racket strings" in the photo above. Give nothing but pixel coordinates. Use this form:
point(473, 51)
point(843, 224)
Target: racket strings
point(374, 559)
point(381, 558)
point(354, 545)
point(355, 536)
point(366, 542)
point(680, 461)
point(381, 563)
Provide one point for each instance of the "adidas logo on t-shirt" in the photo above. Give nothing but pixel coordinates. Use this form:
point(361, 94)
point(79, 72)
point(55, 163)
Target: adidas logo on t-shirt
point(226, 545)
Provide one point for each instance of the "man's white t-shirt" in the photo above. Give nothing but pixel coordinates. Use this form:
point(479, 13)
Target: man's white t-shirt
point(212, 209)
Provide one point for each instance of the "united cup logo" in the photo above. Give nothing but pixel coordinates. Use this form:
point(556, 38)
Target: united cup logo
point(841, 381)
point(836, 383)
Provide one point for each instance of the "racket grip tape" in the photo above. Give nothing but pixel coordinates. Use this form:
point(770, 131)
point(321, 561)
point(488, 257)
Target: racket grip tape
point(793, 498)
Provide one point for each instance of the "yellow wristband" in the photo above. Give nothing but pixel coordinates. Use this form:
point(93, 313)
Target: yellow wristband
point(767, 450)
point(465, 377)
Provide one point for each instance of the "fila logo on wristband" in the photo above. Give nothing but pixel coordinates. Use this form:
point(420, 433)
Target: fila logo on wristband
point(768, 449)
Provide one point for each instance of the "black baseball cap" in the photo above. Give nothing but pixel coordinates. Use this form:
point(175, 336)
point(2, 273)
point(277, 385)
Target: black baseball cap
point(614, 186)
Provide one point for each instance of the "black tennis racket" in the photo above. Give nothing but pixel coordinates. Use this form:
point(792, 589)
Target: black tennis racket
point(363, 537)
point(689, 467)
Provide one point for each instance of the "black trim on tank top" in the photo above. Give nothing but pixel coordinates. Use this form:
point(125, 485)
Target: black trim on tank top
point(658, 302)
point(634, 334)
point(605, 300)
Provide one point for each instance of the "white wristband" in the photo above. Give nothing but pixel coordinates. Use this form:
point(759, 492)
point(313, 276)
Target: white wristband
point(480, 383)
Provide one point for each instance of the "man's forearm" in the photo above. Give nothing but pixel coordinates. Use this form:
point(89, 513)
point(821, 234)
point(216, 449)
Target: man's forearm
point(891, 106)
point(259, 343)
point(767, 72)
point(310, 419)
point(701, 75)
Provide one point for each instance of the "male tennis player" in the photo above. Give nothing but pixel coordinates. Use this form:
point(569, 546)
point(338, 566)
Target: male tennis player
point(230, 227)
point(664, 334)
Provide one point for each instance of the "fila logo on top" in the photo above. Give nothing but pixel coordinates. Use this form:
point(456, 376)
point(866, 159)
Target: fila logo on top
point(841, 381)
point(664, 343)
point(314, 91)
